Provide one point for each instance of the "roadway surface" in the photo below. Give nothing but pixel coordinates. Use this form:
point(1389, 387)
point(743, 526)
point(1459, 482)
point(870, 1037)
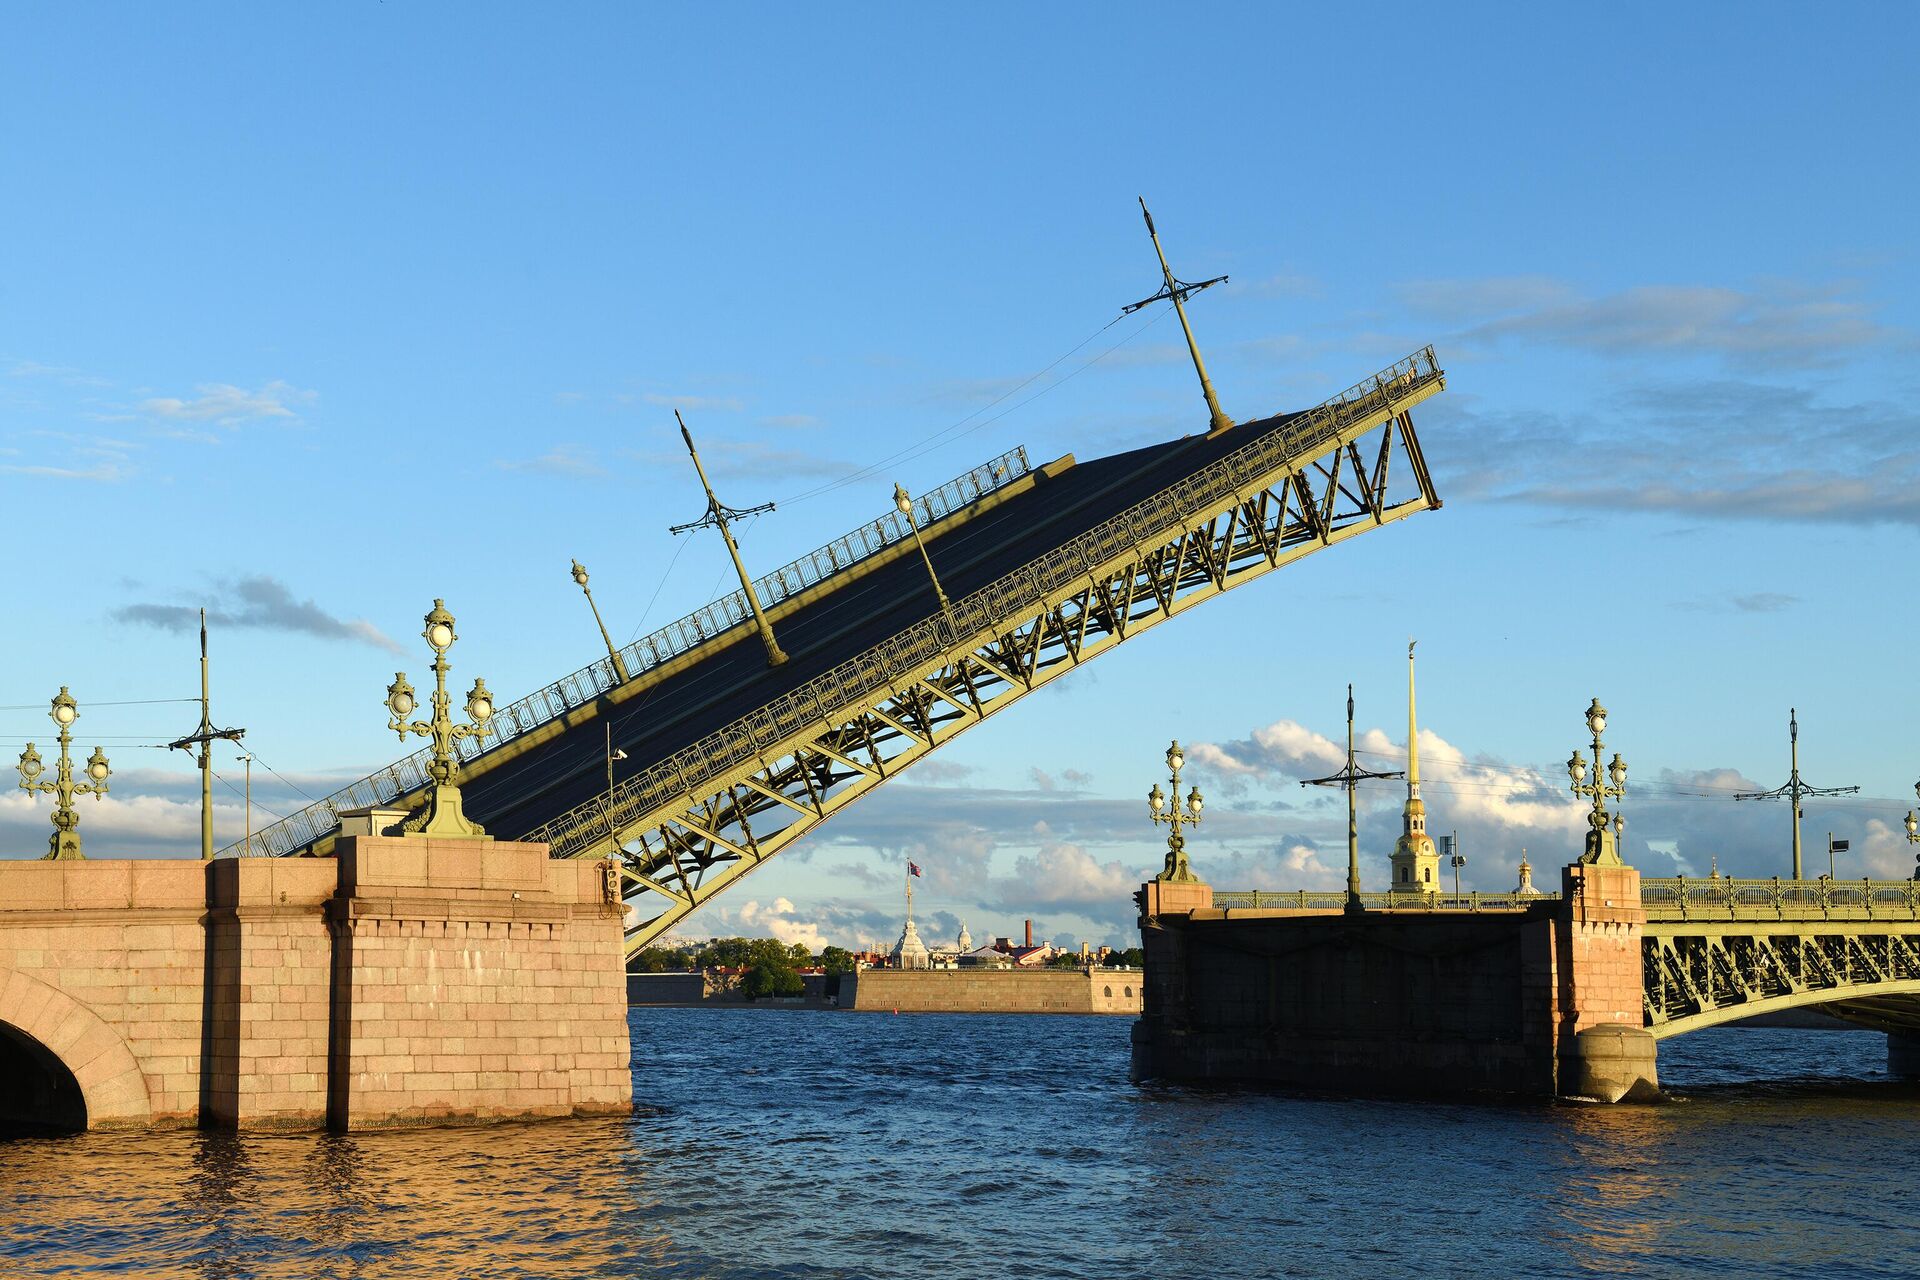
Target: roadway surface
point(519, 795)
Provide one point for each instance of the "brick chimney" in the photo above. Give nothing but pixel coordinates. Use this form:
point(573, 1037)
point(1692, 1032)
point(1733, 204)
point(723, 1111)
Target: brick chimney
point(1029, 933)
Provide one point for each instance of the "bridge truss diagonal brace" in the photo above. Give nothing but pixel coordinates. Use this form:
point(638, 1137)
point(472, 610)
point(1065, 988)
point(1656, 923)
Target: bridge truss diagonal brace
point(1703, 976)
point(680, 854)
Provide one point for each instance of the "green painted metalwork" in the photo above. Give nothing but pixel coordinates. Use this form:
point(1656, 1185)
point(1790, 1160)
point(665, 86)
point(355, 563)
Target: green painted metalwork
point(1603, 846)
point(1323, 900)
point(442, 815)
point(404, 782)
point(64, 843)
point(1159, 810)
point(690, 825)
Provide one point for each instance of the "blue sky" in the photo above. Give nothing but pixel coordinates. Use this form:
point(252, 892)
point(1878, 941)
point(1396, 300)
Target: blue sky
point(314, 315)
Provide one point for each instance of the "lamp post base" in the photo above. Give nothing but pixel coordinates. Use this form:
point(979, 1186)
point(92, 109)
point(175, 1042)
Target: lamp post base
point(443, 816)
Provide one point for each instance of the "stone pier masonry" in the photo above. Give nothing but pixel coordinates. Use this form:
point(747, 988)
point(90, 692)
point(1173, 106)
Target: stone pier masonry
point(406, 980)
point(1545, 1000)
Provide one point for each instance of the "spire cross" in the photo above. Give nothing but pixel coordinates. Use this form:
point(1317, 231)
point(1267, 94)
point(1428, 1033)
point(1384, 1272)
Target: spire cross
point(1793, 789)
point(718, 514)
point(1179, 291)
point(1350, 778)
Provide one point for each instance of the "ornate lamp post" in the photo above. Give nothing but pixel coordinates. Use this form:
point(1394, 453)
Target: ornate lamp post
point(65, 842)
point(1177, 871)
point(580, 576)
point(1602, 847)
point(442, 816)
point(1913, 832)
point(904, 502)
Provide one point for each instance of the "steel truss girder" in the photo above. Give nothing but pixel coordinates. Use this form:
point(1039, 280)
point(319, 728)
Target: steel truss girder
point(688, 828)
point(1698, 978)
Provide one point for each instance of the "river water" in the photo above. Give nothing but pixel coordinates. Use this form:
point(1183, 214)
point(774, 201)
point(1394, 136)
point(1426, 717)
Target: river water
point(791, 1143)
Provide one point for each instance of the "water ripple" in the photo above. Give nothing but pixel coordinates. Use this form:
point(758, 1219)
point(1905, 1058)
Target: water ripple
point(802, 1144)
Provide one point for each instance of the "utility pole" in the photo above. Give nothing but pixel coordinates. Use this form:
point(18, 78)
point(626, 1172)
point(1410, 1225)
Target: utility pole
point(1180, 292)
point(719, 515)
point(1793, 789)
point(204, 737)
point(1350, 778)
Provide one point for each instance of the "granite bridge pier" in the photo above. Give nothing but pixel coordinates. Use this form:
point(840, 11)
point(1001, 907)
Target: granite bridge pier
point(1545, 995)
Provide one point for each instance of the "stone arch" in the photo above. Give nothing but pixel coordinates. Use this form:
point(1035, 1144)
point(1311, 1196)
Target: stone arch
point(1793, 1000)
point(101, 1063)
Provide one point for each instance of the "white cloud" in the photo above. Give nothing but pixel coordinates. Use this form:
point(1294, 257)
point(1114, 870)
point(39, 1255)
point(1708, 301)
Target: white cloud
point(572, 460)
point(710, 404)
point(228, 405)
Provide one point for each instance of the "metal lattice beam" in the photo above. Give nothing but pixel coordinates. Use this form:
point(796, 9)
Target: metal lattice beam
point(693, 824)
point(1705, 974)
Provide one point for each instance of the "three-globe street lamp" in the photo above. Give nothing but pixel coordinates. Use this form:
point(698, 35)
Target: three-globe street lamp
point(904, 501)
point(64, 844)
point(1160, 810)
point(1602, 847)
point(1913, 832)
point(619, 664)
point(442, 816)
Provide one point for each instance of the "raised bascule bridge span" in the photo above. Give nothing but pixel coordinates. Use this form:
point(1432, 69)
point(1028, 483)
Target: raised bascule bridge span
point(728, 761)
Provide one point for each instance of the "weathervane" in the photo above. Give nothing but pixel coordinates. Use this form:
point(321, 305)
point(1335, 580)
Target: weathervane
point(1179, 291)
point(718, 515)
point(1350, 778)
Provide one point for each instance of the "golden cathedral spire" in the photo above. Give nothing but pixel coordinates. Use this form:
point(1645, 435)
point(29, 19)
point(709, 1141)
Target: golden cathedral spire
point(1416, 861)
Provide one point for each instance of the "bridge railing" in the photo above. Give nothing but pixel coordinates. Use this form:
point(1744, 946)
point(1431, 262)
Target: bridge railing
point(697, 628)
point(1336, 900)
point(1725, 898)
point(853, 682)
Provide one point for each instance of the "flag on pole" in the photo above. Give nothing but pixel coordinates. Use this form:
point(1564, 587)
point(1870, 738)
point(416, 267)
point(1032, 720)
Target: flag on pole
point(913, 868)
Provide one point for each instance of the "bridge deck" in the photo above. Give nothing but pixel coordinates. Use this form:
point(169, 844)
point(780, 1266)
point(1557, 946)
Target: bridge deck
point(732, 678)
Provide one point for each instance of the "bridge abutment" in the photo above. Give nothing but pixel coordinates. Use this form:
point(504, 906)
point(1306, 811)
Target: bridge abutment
point(1903, 1055)
point(405, 981)
point(1543, 1000)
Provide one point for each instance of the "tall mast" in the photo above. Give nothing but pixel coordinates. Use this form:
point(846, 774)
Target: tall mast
point(719, 514)
point(204, 738)
point(1179, 292)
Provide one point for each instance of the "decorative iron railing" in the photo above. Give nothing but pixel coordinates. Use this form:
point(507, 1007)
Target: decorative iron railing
point(1723, 898)
point(855, 681)
point(409, 774)
point(1336, 900)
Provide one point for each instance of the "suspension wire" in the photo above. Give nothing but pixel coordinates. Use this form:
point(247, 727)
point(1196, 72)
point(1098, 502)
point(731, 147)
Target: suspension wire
point(243, 795)
point(679, 545)
point(952, 432)
point(276, 773)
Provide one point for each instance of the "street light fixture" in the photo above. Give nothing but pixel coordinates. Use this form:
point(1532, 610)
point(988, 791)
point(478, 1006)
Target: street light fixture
point(1456, 859)
point(442, 816)
point(1602, 845)
point(580, 577)
point(904, 501)
point(64, 844)
point(1160, 810)
point(1913, 832)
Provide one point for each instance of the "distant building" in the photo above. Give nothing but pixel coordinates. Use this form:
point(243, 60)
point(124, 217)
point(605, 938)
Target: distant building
point(1525, 887)
point(910, 952)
